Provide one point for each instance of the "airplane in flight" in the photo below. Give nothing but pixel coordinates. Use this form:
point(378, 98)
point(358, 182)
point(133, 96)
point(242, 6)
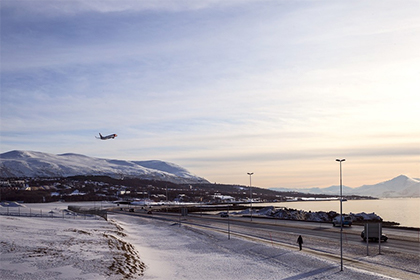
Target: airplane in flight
point(111, 136)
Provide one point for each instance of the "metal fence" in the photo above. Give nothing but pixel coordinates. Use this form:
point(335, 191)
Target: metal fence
point(73, 212)
point(88, 211)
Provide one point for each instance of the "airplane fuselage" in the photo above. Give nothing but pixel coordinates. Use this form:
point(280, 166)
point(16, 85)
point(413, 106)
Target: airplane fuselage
point(111, 136)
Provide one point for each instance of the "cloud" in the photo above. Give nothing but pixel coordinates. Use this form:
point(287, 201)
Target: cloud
point(213, 83)
point(60, 8)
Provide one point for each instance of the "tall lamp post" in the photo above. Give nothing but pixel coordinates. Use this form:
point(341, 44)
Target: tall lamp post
point(250, 190)
point(341, 212)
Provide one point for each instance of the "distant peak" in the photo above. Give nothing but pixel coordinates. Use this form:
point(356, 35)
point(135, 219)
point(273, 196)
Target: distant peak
point(19, 154)
point(400, 178)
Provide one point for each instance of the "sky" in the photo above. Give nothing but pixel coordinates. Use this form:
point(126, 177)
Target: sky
point(221, 88)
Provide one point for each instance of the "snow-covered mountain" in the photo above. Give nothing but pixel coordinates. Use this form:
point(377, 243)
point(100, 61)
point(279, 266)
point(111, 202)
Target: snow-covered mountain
point(401, 186)
point(38, 164)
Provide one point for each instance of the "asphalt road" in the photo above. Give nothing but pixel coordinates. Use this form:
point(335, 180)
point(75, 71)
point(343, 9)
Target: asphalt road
point(284, 231)
point(399, 240)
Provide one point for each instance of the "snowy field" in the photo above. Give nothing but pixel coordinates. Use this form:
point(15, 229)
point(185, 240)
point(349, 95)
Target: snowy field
point(127, 247)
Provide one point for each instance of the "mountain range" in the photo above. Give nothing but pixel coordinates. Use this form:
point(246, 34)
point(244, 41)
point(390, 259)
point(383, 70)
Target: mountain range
point(400, 186)
point(38, 164)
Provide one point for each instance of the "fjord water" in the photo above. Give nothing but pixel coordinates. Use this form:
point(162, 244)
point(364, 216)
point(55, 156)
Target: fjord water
point(405, 211)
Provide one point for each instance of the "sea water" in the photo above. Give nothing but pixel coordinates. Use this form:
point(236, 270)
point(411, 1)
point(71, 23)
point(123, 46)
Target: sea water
point(405, 211)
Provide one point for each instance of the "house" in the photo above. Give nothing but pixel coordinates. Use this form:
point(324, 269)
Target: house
point(218, 197)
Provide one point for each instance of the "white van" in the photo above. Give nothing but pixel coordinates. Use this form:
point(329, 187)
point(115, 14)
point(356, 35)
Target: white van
point(347, 221)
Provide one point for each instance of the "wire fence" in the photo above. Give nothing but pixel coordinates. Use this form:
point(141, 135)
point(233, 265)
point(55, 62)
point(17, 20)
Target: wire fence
point(72, 212)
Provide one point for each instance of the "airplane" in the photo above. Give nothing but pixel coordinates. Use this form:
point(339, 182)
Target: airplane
point(111, 136)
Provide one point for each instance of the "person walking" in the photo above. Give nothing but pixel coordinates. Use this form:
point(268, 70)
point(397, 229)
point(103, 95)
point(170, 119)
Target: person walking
point(300, 241)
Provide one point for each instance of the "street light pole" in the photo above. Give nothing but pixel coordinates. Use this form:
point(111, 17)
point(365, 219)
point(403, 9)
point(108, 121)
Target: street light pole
point(341, 212)
point(250, 190)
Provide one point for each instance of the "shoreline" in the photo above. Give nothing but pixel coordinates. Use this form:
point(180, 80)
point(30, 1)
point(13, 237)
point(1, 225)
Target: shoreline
point(6, 209)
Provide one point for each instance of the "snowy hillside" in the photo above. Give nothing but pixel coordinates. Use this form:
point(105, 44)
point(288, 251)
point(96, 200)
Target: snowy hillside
point(38, 164)
point(401, 186)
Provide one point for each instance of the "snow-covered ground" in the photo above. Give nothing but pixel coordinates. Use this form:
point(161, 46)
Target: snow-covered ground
point(137, 248)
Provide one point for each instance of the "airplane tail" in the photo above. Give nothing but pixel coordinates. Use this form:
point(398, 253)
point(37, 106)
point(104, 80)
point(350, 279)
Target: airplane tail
point(100, 136)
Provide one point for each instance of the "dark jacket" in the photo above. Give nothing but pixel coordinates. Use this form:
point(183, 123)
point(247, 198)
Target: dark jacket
point(300, 240)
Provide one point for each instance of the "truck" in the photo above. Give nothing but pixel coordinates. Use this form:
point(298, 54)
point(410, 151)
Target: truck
point(347, 221)
point(374, 230)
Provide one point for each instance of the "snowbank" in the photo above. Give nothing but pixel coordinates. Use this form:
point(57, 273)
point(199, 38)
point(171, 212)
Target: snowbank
point(11, 204)
point(302, 215)
point(58, 248)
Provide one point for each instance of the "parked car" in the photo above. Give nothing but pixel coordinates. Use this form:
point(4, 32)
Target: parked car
point(224, 214)
point(384, 238)
point(347, 221)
